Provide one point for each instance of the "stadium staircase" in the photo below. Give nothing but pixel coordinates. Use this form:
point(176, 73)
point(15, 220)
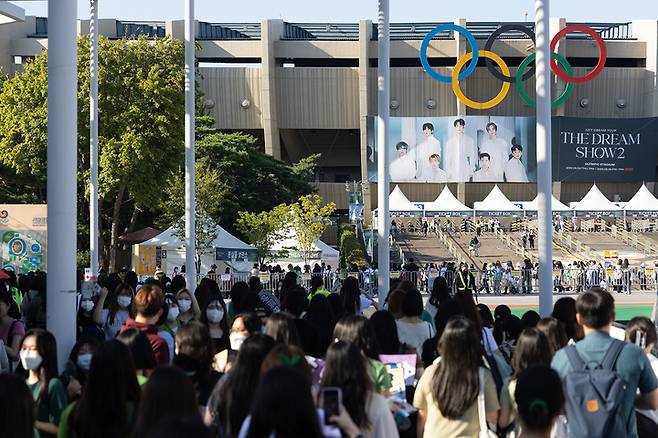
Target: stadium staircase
point(571, 246)
point(632, 239)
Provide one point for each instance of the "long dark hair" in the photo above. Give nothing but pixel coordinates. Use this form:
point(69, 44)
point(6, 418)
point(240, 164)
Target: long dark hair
point(47, 349)
point(195, 350)
point(358, 330)
point(440, 292)
point(112, 383)
point(168, 393)
point(532, 347)
point(114, 307)
point(17, 409)
point(386, 332)
point(283, 406)
point(455, 383)
point(237, 392)
point(281, 327)
point(554, 331)
point(349, 293)
point(564, 310)
point(345, 367)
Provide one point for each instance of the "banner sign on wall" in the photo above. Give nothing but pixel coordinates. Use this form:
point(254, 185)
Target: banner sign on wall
point(604, 149)
point(458, 149)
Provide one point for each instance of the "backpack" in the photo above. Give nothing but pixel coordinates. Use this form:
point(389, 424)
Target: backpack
point(594, 395)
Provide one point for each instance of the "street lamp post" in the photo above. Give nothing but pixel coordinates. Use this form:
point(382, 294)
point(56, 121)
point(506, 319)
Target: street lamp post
point(93, 137)
point(544, 169)
point(190, 201)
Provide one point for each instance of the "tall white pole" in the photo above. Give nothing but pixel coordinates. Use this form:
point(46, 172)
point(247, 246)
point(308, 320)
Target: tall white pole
point(93, 137)
point(383, 98)
point(544, 169)
point(190, 201)
point(62, 173)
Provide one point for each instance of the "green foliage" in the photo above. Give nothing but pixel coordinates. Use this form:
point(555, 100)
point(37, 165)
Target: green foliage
point(206, 231)
point(309, 218)
point(83, 260)
point(264, 229)
point(350, 247)
point(305, 168)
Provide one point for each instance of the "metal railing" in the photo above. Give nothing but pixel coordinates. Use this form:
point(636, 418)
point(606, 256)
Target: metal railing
point(631, 239)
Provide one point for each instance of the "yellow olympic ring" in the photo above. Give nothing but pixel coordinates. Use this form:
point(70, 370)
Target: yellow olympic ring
point(471, 103)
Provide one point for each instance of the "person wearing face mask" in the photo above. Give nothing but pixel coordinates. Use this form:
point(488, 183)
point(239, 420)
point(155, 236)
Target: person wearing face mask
point(121, 308)
point(38, 356)
point(170, 325)
point(187, 306)
point(150, 306)
point(86, 325)
point(76, 369)
point(214, 317)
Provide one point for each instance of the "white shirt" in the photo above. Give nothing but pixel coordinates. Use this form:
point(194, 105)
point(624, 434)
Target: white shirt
point(402, 169)
point(515, 171)
point(112, 329)
point(498, 153)
point(488, 175)
point(414, 334)
point(460, 158)
point(434, 174)
point(423, 152)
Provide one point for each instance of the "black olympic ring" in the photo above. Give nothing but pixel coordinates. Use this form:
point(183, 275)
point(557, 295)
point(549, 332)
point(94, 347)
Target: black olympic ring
point(489, 44)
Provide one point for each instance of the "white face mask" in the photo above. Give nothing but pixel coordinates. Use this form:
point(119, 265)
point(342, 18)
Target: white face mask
point(215, 315)
point(124, 301)
point(236, 340)
point(184, 305)
point(84, 361)
point(31, 360)
point(173, 313)
point(87, 305)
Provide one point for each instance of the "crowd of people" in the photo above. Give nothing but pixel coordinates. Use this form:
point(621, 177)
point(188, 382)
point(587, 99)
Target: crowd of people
point(159, 359)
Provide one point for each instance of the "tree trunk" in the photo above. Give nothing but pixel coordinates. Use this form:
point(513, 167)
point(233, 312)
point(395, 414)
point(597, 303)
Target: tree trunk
point(133, 220)
point(104, 263)
point(115, 227)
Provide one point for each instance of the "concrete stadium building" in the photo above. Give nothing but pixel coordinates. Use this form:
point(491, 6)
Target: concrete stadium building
point(306, 88)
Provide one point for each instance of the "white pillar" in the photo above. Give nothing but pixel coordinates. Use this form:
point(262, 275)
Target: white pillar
point(544, 169)
point(190, 200)
point(383, 98)
point(93, 137)
point(62, 173)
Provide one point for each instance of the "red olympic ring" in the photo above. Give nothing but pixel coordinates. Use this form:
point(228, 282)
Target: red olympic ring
point(603, 54)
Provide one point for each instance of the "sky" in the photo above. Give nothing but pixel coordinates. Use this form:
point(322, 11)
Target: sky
point(340, 11)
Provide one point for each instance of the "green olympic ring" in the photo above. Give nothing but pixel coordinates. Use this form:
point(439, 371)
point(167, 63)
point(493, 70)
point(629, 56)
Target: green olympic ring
point(524, 65)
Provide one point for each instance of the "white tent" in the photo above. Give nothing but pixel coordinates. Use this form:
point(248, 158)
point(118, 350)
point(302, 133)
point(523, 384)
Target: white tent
point(556, 205)
point(496, 204)
point(595, 203)
point(321, 251)
point(399, 203)
point(172, 253)
point(447, 205)
point(642, 201)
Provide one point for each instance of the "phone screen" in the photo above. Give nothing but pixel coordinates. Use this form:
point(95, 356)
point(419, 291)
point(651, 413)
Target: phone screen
point(330, 403)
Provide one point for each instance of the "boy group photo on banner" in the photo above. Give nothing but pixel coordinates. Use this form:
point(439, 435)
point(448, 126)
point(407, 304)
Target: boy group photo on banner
point(461, 149)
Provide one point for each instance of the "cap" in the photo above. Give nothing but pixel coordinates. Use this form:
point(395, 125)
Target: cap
point(124, 269)
point(158, 271)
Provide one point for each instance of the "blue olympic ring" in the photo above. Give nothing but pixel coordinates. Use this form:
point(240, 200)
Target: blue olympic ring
point(426, 42)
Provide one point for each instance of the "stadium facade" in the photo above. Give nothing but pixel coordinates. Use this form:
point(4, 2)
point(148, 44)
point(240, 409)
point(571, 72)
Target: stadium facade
point(307, 88)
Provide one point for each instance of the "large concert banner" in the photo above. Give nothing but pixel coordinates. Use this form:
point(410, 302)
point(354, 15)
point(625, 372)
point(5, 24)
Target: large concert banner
point(616, 150)
point(457, 149)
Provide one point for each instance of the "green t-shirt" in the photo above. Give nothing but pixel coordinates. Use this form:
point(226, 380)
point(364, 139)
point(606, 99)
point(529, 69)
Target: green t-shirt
point(425, 316)
point(632, 366)
point(49, 409)
point(64, 430)
point(379, 375)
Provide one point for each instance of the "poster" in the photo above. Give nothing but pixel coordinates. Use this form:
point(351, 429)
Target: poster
point(23, 234)
point(619, 150)
point(457, 149)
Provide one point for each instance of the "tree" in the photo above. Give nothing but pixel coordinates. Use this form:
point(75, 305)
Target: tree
point(140, 127)
point(309, 218)
point(264, 229)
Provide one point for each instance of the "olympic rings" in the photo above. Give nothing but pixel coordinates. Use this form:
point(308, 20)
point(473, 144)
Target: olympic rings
point(471, 103)
point(603, 54)
point(489, 44)
point(529, 100)
point(521, 74)
point(426, 42)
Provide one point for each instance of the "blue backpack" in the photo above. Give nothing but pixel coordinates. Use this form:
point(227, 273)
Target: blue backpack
point(594, 395)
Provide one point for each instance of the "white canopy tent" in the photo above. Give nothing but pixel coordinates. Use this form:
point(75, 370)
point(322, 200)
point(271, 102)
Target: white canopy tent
point(240, 254)
point(596, 204)
point(642, 203)
point(496, 204)
point(446, 204)
point(399, 204)
point(556, 205)
point(321, 251)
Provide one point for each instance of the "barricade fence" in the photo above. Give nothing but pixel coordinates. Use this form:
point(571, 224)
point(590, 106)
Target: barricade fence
point(495, 281)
